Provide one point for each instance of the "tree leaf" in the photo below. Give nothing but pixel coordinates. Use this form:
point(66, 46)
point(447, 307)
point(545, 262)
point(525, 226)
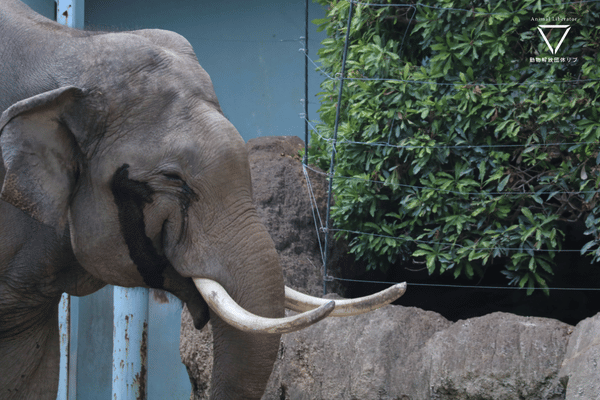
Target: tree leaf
point(527, 213)
point(503, 183)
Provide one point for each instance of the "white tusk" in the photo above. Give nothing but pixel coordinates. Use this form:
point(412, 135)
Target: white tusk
point(300, 302)
point(229, 311)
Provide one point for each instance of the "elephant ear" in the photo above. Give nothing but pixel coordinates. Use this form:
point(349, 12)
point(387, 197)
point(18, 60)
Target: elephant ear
point(40, 155)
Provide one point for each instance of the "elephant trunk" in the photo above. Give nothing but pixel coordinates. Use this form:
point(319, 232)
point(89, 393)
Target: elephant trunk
point(243, 360)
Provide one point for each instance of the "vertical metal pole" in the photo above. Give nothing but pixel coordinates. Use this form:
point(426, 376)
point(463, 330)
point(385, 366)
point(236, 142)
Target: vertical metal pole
point(70, 13)
point(64, 328)
point(335, 132)
point(130, 334)
point(305, 83)
point(65, 12)
point(68, 312)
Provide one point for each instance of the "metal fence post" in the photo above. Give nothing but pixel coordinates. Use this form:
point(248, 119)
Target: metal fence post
point(130, 335)
point(333, 151)
point(70, 13)
point(64, 328)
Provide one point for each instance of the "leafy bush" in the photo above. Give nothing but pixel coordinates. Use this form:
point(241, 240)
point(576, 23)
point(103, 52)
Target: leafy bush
point(462, 139)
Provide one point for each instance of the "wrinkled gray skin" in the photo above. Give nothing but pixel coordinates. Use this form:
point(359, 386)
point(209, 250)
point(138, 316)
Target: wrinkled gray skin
point(110, 123)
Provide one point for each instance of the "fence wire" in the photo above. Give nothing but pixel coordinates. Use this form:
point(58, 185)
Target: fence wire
point(322, 223)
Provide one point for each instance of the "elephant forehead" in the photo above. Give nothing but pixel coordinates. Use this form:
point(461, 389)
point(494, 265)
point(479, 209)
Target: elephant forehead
point(201, 156)
point(159, 125)
point(204, 132)
point(208, 156)
point(131, 70)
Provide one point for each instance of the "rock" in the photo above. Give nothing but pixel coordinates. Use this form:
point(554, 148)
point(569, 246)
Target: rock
point(369, 356)
point(497, 356)
point(407, 353)
point(195, 347)
point(580, 371)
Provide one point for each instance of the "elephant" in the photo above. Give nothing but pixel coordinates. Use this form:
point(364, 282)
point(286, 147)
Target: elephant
point(119, 167)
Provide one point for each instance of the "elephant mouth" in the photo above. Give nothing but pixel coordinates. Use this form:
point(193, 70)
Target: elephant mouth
point(312, 309)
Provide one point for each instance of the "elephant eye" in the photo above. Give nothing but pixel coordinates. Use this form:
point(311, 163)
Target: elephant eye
point(173, 177)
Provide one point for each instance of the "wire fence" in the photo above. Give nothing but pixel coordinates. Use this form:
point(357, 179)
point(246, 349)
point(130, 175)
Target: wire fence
point(323, 224)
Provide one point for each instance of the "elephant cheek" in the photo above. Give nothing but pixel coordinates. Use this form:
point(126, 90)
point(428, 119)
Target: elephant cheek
point(103, 256)
point(98, 244)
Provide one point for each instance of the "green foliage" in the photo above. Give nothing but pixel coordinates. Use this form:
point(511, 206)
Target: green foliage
point(475, 150)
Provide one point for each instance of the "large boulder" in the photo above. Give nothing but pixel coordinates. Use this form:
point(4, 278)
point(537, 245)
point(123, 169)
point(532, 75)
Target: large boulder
point(497, 356)
point(407, 353)
point(580, 371)
point(369, 356)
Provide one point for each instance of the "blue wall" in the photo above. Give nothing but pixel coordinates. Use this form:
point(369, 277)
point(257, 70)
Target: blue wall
point(249, 48)
point(45, 7)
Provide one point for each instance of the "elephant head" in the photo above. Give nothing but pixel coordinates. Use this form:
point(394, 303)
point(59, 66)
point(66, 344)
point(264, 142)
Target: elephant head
point(128, 154)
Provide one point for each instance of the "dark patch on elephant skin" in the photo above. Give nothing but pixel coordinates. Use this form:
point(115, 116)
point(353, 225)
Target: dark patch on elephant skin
point(130, 198)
